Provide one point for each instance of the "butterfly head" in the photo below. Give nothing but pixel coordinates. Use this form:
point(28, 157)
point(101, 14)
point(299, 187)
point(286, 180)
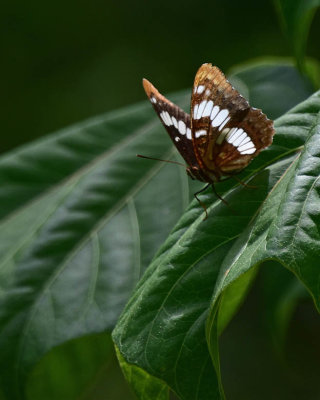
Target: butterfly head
point(196, 173)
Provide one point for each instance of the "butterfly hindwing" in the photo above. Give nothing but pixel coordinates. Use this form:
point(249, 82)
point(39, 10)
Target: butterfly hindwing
point(223, 133)
point(175, 120)
point(242, 143)
point(227, 133)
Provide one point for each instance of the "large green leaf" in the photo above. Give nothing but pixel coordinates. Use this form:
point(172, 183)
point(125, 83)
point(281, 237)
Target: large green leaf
point(77, 230)
point(162, 327)
point(81, 218)
point(296, 17)
point(284, 230)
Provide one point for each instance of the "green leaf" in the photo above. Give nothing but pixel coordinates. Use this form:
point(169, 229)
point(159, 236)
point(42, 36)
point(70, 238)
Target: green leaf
point(162, 329)
point(80, 219)
point(77, 230)
point(296, 17)
point(145, 386)
point(285, 229)
point(169, 309)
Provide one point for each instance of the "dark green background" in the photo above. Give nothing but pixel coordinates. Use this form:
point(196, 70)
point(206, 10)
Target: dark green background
point(64, 61)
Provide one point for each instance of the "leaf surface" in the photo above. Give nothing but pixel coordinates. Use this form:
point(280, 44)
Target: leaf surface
point(78, 213)
point(173, 301)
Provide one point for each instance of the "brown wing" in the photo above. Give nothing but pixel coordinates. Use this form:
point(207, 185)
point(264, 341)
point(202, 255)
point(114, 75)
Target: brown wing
point(176, 122)
point(227, 133)
point(240, 144)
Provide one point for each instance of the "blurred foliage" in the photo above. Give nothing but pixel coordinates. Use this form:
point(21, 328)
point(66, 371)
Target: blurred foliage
point(84, 368)
point(296, 17)
point(67, 60)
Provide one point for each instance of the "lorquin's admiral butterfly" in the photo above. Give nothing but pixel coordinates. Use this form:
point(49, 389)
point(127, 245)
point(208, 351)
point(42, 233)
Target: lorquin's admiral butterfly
point(223, 133)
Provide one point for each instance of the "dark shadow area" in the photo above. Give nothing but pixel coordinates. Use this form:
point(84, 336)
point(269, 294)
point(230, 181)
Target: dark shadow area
point(254, 363)
point(65, 61)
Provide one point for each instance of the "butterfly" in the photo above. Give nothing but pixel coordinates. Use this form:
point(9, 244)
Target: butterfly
point(222, 134)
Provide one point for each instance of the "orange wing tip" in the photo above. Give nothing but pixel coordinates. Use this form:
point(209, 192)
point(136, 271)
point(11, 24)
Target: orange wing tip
point(148, 87)
point(153, 94)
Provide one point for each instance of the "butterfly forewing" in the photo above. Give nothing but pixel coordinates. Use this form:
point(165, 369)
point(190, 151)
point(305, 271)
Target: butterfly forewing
point(223, 133)
point(227, 133)
point(175, 120)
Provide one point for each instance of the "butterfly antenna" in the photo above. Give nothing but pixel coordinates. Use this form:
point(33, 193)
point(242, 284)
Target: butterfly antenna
point(159, 159)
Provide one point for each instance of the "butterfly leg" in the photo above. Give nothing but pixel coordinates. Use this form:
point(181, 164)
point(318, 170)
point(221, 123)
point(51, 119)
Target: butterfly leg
point(200, 202)
point(218, 195)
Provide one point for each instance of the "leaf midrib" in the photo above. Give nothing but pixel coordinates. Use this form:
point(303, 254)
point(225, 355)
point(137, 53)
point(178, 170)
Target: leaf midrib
point(85, 169)
point(60, 267)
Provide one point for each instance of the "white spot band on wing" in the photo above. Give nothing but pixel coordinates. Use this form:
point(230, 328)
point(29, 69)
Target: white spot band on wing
point(214, 112)
point(195, 111)
point(166, 118)
point(245, 147)
point(224, 123)
point(175, 122)
point(236, 132)
point(200, 89)
point(208, 108)
point(200, 109)
point(182, 127)
point(220, 117)
point(241, 140)
point(201, 132)
point(249, 151)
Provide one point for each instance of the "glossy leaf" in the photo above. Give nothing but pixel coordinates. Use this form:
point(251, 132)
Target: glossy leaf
point(169, 309)
point(285, 229)
point(77, 230)
point(144, 385)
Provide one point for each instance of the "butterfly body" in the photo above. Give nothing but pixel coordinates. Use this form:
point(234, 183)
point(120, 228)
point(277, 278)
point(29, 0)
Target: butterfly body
point(196, 173)
point(221, 135)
